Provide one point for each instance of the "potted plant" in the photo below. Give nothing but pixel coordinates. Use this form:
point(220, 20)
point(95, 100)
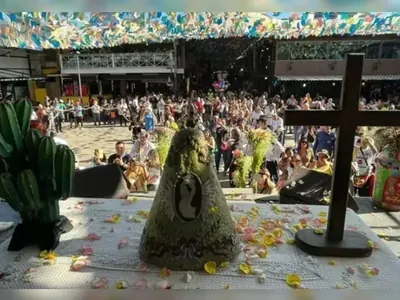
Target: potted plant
point(387, 183)
point(34, 175)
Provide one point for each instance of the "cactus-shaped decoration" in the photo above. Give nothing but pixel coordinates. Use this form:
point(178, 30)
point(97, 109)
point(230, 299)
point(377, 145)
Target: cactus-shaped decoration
point(34, 175)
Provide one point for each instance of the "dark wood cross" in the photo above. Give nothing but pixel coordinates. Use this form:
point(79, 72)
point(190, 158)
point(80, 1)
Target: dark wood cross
point(335, 241)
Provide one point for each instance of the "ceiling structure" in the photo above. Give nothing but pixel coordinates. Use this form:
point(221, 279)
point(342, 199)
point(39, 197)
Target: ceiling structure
point(43, 30)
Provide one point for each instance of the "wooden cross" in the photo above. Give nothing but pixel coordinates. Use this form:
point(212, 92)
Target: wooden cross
point(336, 241)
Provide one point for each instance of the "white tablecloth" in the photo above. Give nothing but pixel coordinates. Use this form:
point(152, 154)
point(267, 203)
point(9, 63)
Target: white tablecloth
point(121, 264)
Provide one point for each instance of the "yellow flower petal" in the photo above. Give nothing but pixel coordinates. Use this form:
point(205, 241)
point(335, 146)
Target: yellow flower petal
point(165, 272)
point(143, 213)
point(322, 214)
point(290, 241)
point(227, 287)
point(278, 232)
point(224, 265)
point(262, 253)
point(332, 262)
point(318, 231)
point(210, 267)
point(52, 255)
point(122, 284)
point(323, 220)
point(372, 244)
point(269, 239)
point(245, 268)
point(293, 280)
point(298, 227)
point(43, 254)
point(134, 200)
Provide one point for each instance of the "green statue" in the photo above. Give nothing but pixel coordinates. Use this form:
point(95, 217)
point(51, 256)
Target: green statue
point(190, 222)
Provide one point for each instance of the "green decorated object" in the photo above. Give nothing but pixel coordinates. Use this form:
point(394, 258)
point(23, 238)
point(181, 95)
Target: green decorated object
point(190, 222)
point(34, 175)
point(387, 182)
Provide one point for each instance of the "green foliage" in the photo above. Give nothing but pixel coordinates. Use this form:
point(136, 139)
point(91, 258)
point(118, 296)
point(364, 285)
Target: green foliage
point(260, 142)
point(34, 173)
point(241, 175)
point(164, 139)
point(388, 138)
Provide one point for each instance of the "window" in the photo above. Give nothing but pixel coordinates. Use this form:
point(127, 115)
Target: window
point(372, 51)
point(390, 50)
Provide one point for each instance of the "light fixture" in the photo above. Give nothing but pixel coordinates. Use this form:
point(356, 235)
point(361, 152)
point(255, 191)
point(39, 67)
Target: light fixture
point(265, 78)
point(266, 67)
point(241, 70)
point(363, 83)
point(304, 85)
point(333, 83)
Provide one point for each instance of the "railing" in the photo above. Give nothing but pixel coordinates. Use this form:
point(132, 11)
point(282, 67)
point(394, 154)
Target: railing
point(118, 60)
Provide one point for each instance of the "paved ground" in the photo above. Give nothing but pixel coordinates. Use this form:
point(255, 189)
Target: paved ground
point(84, 142)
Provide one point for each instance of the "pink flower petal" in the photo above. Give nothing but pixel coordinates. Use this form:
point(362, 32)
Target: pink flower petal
point(93, 237)
point(142, 268)
point(140, 284)
point(93, 202)
point(100, 283)
point(78, 265)
point(87, 250)
point(123, 242)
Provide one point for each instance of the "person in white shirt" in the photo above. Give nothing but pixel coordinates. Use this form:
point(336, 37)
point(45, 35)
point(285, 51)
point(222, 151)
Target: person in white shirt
point(161, 110)
point(256, 114)
point(142, 147)
point(96, 109)
point(269, 111)
point(122, 111)
point(272, 159)
point(330, 105)
point(277, 128)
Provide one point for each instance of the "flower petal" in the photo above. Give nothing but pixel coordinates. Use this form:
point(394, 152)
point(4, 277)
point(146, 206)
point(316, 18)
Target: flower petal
point(293, 280)
point(122, 285)
point(100, 283)
point(87, 250)
point(93, 237)
point(115, 218)
point(163, 284)
point(245, 268)
point(210, 267)
point(224, 265)
point(142, 267)
point(140, 284)
point(123, 242)
point(262, 253)
point(189, 276)
point(165, 272)
point(78, 265)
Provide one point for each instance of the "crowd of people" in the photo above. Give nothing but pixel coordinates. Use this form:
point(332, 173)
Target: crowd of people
point(225, 120)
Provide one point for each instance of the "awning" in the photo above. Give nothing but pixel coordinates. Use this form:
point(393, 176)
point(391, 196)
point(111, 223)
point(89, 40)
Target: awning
point(336, 78)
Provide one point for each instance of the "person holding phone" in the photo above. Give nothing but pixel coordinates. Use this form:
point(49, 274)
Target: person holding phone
point(120, 157)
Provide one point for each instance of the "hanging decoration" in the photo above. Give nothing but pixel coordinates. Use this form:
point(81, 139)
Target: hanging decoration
point(68, 30)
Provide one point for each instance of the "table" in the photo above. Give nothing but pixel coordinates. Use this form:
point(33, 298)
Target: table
point(123, 264)
point(237, 194)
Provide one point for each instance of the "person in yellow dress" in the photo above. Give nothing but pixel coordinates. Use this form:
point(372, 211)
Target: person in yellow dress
point(323, 163)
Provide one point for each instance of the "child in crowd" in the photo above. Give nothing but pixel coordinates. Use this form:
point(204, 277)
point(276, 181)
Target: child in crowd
point(154, 170)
